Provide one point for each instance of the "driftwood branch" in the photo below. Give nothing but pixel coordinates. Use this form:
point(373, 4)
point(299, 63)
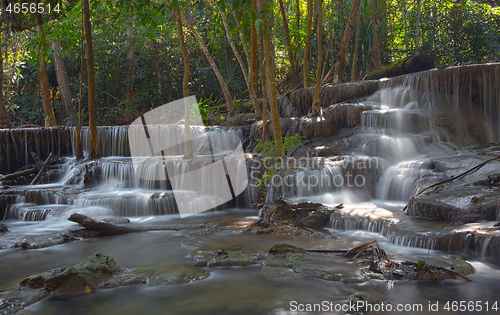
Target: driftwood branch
point(475, 168)
point(44, 166)
point(104, 228)
point(20, 173)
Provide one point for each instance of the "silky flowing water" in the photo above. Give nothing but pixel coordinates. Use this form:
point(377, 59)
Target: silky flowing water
point(400, 135)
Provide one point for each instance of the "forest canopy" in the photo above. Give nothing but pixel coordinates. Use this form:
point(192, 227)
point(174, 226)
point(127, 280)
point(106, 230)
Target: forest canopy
point(138, 60)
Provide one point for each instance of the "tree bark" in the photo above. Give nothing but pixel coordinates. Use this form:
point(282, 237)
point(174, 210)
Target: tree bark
point(127, 116)
point(211, 61)
point(406, 27)
point(4, 116)
point(419, 12)
point(375, 46)
point(94, 151)
point(356, 44)
point(271, 81)
point(253, 96)
point(253, 63)
point(317, 103)
point(305, 70)
point(50, 118)
point(263, 81)
point(188, 146)
point(289, 46)
point(240, 32)
point(78, 142)
point(336, 72)
point(63, 82)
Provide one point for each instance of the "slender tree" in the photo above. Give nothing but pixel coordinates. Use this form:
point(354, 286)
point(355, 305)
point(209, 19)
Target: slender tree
point(253, 95)
point(263, 77)
point(356, 44)
point(419, 12)
point(317, 102)
point(94, 150)
point(50, 118)
point(289, 46)
point(4, 116)
point(253, 60)
point(375, 46)
point(405, 26)
point(63, 82)
point(305, 64)
point(211, 61)
point(271, 79)
point(335, 73)
point(188, 146)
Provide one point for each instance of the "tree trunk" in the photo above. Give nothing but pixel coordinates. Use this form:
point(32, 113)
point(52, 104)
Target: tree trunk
point(263, 81)
point(240, 32)
point(419, 12)
point(289, 47)
point(94, 151)
point(253, 63)
point(63, 83)
point(406, 28)
point(271, 80)
point(253, 96)
point(356, 44)
point(50, 118)
point(78, 142)
point(4, 116)
point(127, 116)
point(211, 61)
point(305, 70)
point(375, 46)
point(317, 103)
point(188, 147)
point(336, 72)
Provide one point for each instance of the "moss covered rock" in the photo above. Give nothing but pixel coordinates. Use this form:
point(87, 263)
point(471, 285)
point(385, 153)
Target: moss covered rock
point(403, 66)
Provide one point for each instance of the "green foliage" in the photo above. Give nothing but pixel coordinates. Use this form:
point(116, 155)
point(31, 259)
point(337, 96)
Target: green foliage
point(268, 150)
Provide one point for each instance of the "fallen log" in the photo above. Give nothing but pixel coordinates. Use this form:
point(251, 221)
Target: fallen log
point(105, 228)
point(20, 173)
point(44, 166)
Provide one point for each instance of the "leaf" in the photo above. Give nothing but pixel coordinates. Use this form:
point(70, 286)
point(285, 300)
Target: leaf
point(293, 258)
point(236, 252)
point(257, 24)
point(87, 289)
point(420, 264)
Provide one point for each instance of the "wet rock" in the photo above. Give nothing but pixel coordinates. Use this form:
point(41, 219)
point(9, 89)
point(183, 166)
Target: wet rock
point(90, 274)
point(300, 219)
point(240, 120)
point(3, 228)
point(298, 102)
point(284, 248)
point(165, 274)
point(464, 206)
point(364, 300)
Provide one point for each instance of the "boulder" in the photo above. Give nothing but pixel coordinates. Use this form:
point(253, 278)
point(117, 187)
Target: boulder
point(403, 66)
